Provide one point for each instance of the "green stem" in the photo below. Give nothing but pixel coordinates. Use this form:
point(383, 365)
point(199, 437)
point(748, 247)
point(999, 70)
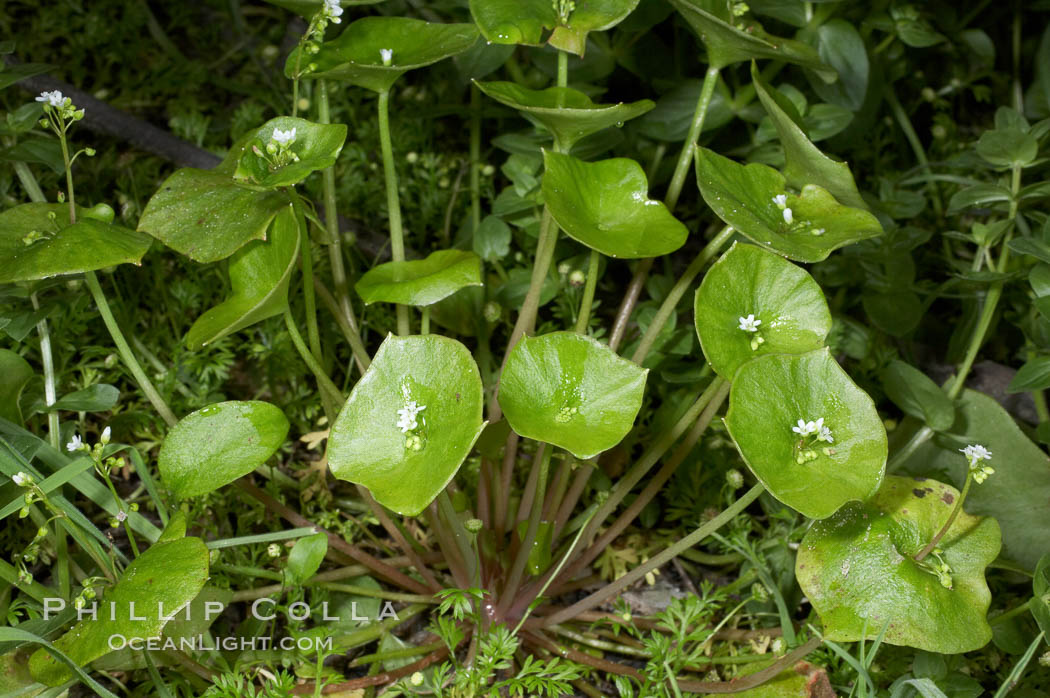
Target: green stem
point(685, 158)
point(475, 156)
point(460, 536)
point(50, 395)
point(424, 323)
point(583, 319)
point(951, 519)
point(916, 145)
point(331, 220)
point(120, 507)
point(69, 177)
point(346, 325)
point(393, 200)
point(563, 70)
point(658, 560)
point(1012, 613)
point(685, 281)
point(306, 258)
point(517, 570)
point(29, 183)
point(377, 593)
point(1015, 674)
point(125, 352)
point(331, 396)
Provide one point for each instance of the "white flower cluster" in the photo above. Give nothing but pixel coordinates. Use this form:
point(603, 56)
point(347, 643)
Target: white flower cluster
point(283, 138)
point(975, 453)
point(749, 323)
point(406, 416)
point(781, 201)
point(54, 98)
point(386, 55)
point(56, 103)
point(805, 428)
point(332, 11)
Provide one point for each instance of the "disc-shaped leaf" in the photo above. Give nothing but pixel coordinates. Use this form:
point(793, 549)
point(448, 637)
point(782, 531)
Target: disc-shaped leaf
point(806, 228)
point(567, 113)
point(1016, 495)
point(37, 242)
point(513, 21)
point(731, 39)
point(571, 391)
point(259, 275)
point(421, 281)
point(206, 216)
point(219, 443)
point(154, 586)
point(316, 146)
point(787, 306)
point(15, 372)
point(606, 206)
point(355, 55)
point(409, 422)
point(770, 395)
point(805, 163)
point(589, 16)
point(858, 569)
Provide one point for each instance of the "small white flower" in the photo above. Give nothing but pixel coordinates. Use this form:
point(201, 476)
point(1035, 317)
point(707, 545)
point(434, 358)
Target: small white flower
point(781, 200)
point(824, 434)
point(749, 323)
point(976, 452)
point(106, 433)
point(332, 11)
point(387, 54)
point(283, 138)
point(54, 98)
point(406, 416)
point(122, 516)
point(805, 428)
point(75, 444)
point(20, 479)
point(789, 218)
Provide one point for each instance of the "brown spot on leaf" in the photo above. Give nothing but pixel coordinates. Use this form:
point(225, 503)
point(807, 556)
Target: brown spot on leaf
point(948, 498)
point(919, 492)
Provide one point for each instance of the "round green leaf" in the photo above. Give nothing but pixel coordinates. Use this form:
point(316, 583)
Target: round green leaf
point(36, 246)
point(420, 281)
point(513, 21)
point(567, 113)
point(259, 275)
point(571, 391)
point(169, 574)
point(731, 39)
point(787, 305)
point(206, 216)
point(858, 570)
point(606, 206)
point(354, 56)
point(770, 395)
point(589, 16)
point(15, 372)
point(409, 422)
point(306, 557)
point(219, 443)
point(316, 146)
point(743, 196)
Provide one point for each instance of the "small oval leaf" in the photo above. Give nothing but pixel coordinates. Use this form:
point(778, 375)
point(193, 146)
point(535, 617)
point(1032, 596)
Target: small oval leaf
point(858, 570)
point(259, 275)
point(15, 372)
point(37, 242)
point(206, 216)
point(917, 395)
point(567, 113)
point(420, 281)
point(513, 21)
point(306, 557)
point(606, 206)
point(806, 228)
point(571, 391)
point(409, 422)
point(219, 443)
point(753, 302)
point(354, 56)
point(771, 395)
point(166, 576)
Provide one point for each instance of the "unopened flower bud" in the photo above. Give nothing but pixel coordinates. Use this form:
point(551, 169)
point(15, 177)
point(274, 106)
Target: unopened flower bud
point(735, 479)
point(492, 311)
point(577, 277)
point(472, 525)
point(273, 550)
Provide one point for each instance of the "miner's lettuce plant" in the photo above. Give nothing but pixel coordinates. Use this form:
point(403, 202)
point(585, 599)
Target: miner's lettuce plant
point(492, 446)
